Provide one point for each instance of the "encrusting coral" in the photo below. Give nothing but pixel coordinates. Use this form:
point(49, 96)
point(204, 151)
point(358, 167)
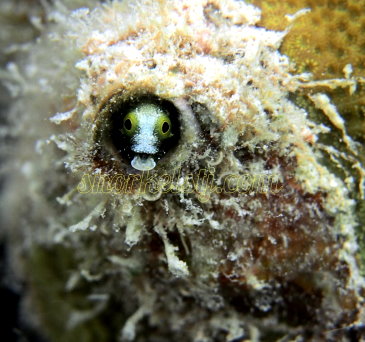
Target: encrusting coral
point(238, 232)
point(322, 42)
point(325, 41)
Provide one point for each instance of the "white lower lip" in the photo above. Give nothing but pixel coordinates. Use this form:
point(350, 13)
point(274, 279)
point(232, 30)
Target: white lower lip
point(143, 164)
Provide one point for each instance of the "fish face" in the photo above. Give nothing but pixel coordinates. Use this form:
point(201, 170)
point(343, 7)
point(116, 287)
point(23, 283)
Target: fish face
point(144, 130)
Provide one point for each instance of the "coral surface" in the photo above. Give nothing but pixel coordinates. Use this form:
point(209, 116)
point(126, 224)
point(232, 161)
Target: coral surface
point(240, 232)
point(325, 41)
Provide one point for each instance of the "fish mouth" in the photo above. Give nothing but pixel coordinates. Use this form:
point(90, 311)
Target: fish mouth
point(143, 162)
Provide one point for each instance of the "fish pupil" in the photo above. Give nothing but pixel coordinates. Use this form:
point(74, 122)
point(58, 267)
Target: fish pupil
point(165, 127)
point(128, 124)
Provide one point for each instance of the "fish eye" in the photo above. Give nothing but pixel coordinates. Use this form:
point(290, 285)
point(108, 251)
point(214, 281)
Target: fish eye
point(130, 123)
point(164, 127)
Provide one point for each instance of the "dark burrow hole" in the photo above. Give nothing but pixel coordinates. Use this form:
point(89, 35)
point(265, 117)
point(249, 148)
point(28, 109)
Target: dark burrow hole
point(110, 135)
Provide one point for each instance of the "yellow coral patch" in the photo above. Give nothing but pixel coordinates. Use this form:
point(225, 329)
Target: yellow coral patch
point(324, 40)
